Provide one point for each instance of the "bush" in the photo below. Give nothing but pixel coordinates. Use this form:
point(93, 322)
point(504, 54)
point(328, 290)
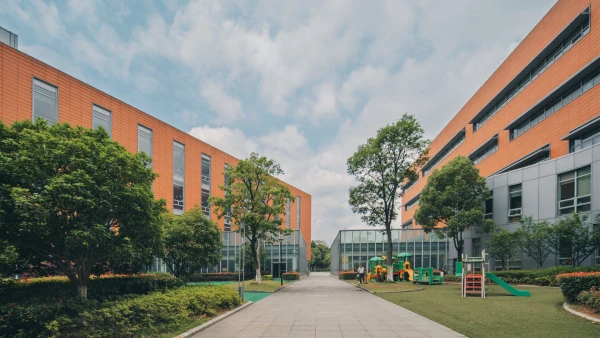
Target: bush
point(572, 284)
point(544, 277)
point(452, 278)
point(126, 317)
point(267, 277)
point(291, 276)
point(214, 277)
point(347, 275)
point(590, 299)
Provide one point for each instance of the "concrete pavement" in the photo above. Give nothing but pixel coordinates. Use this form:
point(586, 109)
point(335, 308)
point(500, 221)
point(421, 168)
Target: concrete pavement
point(322, 306)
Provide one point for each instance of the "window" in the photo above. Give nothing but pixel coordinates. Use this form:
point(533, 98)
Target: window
point(178, 177)
point(205, 184)
point(476, 247)
point(585, 140)
point(515, 203)
point(287, 214)
point(227, 220)
point(489, 208)
point(410, 183)
point(527, 76)
point(145, 140)
point(102, 118)
point(205, 206)
point(574, 193)
point(414, 201)
point(446, 150)
point(298, 212)
point(45, 101)
point(563, 96)
point(565, 252)
point(484, 153)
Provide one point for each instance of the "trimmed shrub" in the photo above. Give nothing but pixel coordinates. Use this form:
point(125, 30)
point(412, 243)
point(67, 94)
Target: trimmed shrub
point(214, 277)
point(452, 278)
point(590, 299)
point(347, 275)
point(126, 317)
point(572, 284)
point(267, 277)
point(291, 276)
point(544, 277)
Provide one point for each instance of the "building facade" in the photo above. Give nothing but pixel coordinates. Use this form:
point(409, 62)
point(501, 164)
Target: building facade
point(532, 129)
point(190, 171)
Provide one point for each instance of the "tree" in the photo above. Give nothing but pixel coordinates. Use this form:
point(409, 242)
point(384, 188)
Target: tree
point(380, 166)
point(574, 235)
point(453, 200)
point(191, 241)
point(535, 239)
point(249, 267)
point(72, 197)
point(320, 255)
point(253, 197)
point(503, 245)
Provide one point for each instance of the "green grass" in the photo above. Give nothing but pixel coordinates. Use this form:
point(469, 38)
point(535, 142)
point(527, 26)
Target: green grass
point(388, 287)
point(255, 296)
point(267, 285)
point(499, 314)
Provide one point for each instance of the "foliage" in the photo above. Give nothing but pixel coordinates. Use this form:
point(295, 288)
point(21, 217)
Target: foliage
point(574, 233)
point(590, 299)
point(127, 317)
point(572, 284)
point(191, 241)
point(74, 198)
point(214, 277)
point(320, 255)
point(291, 276)
point(380, 166)
point(503, 245)
point(253, 197)
point(347, 275)
point(544, 277)
point(535, 239)
point(452, 278)
point(267, 277)
point(453, 200)
point(249, 267)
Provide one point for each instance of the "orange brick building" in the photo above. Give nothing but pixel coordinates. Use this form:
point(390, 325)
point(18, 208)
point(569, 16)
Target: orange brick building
point(30, 88)
point(532, 127)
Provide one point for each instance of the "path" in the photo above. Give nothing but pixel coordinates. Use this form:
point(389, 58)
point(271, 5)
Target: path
point(322, 306)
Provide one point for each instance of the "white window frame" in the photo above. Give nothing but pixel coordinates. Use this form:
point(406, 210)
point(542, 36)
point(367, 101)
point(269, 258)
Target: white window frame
point(102, 114)
point(575, 206)
point(515, 212)
point(47, 86)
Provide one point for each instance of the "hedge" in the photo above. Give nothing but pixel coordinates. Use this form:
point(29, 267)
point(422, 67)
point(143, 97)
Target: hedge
point(150, 314)
point(347, 275)
point(572, 284)
point(544, 277)
point(590, 299)
point(291, 276)
point(214, 277)
point(452, 278)
point(104, 288)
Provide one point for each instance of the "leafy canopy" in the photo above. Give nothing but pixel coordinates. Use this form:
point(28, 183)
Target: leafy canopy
point(503, 245)
point(73, 197)
point(453, 200)
point(191, 241)
point(535, 239)
point(575, 234)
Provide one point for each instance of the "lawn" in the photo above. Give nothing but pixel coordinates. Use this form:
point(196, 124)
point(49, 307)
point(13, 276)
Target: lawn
point(388, 287)
point(267, 285)
point(499, 314)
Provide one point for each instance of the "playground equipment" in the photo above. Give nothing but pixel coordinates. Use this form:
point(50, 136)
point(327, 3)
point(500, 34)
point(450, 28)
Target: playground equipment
point(407, 273)
point(427, 276)
point(375, 269)
point(473, 280)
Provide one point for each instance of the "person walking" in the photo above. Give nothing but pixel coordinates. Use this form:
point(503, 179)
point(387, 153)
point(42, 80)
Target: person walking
point(361, 274)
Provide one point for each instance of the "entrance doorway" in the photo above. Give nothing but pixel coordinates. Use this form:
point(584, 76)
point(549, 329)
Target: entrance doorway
point(277, 267)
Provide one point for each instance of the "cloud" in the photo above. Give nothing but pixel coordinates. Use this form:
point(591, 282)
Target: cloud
point(228, 108)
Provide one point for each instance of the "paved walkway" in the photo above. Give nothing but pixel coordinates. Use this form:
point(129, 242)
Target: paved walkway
point(322, 306)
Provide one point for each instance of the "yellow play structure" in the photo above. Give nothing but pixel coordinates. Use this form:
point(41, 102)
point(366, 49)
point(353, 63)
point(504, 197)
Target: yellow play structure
point(378, 272)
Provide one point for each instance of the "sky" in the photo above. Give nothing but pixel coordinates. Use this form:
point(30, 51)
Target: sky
point(301, 82)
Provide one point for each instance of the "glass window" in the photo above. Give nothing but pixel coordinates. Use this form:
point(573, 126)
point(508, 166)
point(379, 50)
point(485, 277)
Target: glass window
point(565, 253)
point(206, 169)
point(102, 118)
point(476, 247)
point(585, 140)
point(298, 212)
point(205, 205)
point(178, 159)
point(145, 140)
point(489, 208)
point(45, 104)
point(178, 177)
point(515, 195)
point(177, 197)
point(574, 192)
point(287, 214)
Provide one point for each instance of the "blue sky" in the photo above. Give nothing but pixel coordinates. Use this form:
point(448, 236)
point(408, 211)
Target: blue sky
point(303, 82)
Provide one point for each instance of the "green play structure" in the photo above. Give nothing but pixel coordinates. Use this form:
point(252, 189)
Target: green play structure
point(427, 276)
point(506, 286)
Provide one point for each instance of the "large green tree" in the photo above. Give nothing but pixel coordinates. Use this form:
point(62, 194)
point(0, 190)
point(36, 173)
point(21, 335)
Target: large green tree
point(320, 255)
point(453, 200)
point(575, 236)
point(72, 197)
point(503, 245)
point(380, 166)
point(191, 241)
point(253, 199)
point(535, 239)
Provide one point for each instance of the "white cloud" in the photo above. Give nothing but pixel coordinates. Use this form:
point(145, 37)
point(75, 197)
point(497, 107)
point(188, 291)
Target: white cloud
point(229, 109)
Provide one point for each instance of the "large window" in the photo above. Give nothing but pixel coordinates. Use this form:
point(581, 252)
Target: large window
point(574, 193)
point(547, 58)
point(446, 150)
point(178, 177)
point(227, 218)
point(45, 104)
point(145, 140)
point(515, 203)
point(485, 153)
point(287, 214)
point(205, 184)
point(489, 209)
point(102, 118)
point(476, 242)
point(411, 203)
point(585, 140)
point(298, 212)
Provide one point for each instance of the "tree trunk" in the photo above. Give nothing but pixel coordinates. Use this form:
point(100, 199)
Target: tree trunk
point(82, 292)
point(257, 264)
point(390, 268)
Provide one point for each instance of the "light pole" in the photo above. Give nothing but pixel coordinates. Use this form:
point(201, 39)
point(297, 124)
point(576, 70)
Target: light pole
point(241, 272)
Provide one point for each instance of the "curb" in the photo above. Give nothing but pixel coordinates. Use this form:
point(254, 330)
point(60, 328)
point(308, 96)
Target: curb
point(213, 321)
point(375, 292)
point(285, 286)
point(579, 314)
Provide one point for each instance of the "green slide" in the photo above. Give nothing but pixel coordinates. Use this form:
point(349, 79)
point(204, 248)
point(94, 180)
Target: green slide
point(507, 287)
